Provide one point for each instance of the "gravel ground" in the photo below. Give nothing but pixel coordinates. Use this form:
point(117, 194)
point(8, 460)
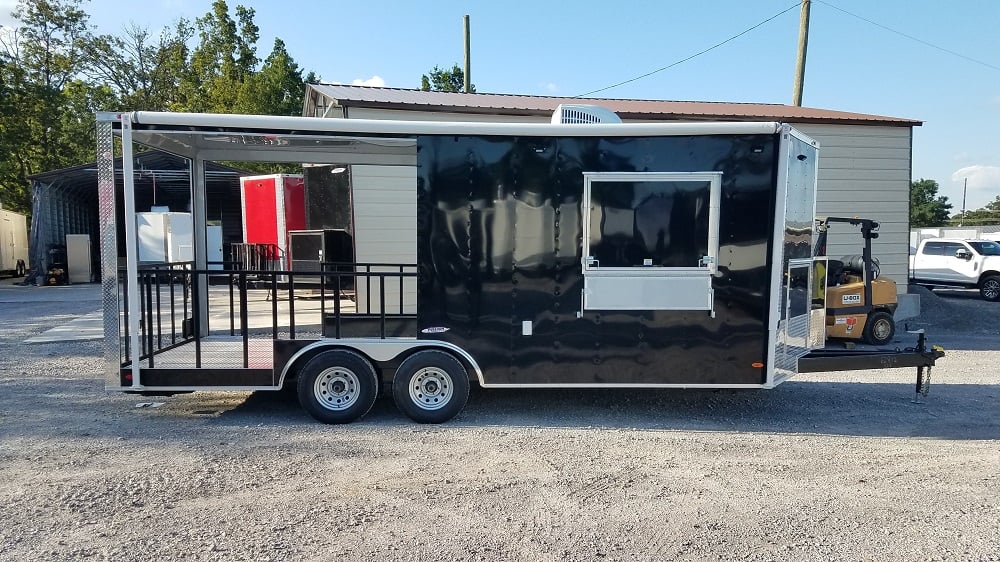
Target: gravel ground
point(826, 466)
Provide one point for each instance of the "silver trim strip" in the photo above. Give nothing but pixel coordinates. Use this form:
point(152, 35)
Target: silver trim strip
point(193, 388)
point(623, 385)
point(491, 386)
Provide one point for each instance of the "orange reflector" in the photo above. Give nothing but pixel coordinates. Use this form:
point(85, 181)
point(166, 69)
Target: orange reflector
point(756, 364)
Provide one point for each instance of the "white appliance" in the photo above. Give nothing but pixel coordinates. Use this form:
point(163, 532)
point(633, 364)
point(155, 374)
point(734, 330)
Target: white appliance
point(164, 237)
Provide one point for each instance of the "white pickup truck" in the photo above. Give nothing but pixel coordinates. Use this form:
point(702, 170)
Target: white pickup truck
point(958, 263)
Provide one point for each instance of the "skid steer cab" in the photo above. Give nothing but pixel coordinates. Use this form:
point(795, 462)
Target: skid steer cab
point(859, 302)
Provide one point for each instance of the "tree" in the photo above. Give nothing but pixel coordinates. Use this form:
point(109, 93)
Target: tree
point(142, 72)
point(988, 215)
point(37, 62)
point(277, 88)
point(54, 74)
point(226, 56)
point(445, 80)
point(926, 207)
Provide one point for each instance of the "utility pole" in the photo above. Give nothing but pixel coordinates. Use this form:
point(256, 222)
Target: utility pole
point(965, 189)
point(468, 55)
point(800, 64)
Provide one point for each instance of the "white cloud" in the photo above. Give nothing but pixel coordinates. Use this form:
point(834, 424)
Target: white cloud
point(983, 187)
point(981, 178)
point(551, 88)
point(373, 81)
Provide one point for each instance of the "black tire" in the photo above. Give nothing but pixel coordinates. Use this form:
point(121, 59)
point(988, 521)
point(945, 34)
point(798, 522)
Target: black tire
point(337, 386)
point(989, 288)
point(879, 328)
point(431, 387)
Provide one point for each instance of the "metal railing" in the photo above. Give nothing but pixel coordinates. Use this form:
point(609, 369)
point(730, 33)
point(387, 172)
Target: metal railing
point(255, 257)
point(267, 304)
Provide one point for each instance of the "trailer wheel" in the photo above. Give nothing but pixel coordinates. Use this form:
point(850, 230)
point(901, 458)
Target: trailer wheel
point(431, 387)
point(989, 288)
point(879, 328)
point(337, 386)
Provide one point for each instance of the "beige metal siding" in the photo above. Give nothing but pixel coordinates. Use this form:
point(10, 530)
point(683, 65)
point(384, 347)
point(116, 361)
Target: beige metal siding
point(385, 226)
point(864, 171)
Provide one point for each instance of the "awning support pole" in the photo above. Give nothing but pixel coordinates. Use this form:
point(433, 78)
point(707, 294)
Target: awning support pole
point(131, 250)
point(199, 228)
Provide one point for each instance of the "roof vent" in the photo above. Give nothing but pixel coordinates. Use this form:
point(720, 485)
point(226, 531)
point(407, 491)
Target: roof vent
point(579, 113)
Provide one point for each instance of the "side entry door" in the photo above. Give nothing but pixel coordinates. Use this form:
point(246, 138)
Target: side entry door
point(651, 240)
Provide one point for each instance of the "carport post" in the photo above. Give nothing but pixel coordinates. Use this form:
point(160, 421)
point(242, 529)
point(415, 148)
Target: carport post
point(199, 224)
point(131, 249)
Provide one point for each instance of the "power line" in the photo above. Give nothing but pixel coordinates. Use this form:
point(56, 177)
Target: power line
point(740, 34)
point(912, 38)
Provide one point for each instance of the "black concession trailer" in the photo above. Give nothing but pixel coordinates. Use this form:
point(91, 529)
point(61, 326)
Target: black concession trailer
point(507, 255)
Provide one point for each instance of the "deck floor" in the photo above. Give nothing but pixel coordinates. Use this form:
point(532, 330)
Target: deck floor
point(218, 352)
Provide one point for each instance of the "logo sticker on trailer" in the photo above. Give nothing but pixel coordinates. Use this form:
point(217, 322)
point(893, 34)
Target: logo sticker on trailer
point(435, 330)
point(851, 299)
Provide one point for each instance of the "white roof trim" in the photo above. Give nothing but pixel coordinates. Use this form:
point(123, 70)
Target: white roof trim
point(379, 126)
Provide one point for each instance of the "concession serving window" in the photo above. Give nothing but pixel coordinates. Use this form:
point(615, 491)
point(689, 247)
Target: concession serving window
point(651, 240)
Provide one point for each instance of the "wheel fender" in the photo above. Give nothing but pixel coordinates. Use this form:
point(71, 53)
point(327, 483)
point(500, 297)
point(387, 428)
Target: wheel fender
point(369, 348)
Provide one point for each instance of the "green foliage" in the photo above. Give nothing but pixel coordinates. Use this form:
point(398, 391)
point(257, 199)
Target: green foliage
point(225, 58)
point(277, 89)
point(54, 74)
point(37, 61)
point(926, 207)
point(984, 216)
point(445, 80)
point(142, 72)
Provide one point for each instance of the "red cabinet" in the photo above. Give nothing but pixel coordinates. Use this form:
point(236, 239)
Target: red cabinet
point(272, 205)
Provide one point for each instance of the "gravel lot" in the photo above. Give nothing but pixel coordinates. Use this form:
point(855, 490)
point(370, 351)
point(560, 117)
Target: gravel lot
point(827, 466)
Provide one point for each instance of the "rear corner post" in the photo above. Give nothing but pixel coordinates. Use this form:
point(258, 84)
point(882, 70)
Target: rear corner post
point(109, 247)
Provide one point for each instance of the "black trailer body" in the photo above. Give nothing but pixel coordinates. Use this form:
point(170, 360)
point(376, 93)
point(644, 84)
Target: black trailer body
point(533, 255)
point(501, 227)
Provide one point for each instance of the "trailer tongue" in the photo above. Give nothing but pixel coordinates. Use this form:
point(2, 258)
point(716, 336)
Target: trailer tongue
point(919, 356)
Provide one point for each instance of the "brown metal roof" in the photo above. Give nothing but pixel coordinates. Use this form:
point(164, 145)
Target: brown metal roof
point(512, 104)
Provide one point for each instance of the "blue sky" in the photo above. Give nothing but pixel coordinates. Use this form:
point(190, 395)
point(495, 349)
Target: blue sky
point(570, 48)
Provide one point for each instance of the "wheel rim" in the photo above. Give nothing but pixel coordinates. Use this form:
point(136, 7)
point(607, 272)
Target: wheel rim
point(337, 388)
point(881, 329)
point(991, 289)
point(431, 388)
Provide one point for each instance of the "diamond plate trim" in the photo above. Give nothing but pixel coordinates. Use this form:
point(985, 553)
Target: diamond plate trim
point(793, 344)
point(109, 250)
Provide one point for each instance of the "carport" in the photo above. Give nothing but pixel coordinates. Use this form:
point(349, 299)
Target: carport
point(66, 202)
